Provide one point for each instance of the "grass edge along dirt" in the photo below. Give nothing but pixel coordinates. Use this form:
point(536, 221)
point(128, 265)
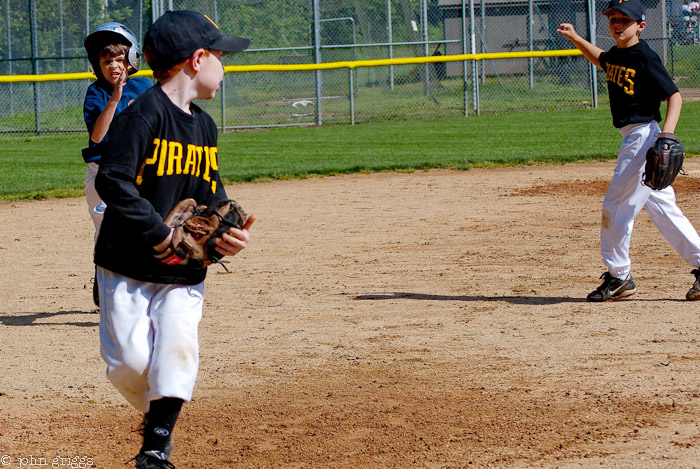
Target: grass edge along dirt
point(50, 165)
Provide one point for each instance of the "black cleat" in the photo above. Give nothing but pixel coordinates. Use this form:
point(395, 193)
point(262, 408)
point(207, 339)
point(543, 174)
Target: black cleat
point(153, 460)
point(613, 288)
point(694, 292)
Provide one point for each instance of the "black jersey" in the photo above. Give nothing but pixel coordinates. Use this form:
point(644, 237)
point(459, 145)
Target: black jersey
point(637, 83)
point(156, 156)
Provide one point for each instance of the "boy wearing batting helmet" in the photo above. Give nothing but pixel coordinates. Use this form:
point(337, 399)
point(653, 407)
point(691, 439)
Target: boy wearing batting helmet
point(114, 56)
point(161, 150)
point(637, 83)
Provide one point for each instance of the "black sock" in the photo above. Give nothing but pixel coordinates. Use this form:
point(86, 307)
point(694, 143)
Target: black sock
point(159, 423)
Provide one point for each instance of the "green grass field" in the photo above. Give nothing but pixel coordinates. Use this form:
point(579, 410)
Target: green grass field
point(49, 165)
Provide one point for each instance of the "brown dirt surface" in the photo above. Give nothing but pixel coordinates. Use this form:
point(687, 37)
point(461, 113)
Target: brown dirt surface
point(427, 319)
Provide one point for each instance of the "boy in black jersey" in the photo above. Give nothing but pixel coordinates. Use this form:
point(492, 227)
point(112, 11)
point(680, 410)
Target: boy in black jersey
point(161, 149)
point(637, 83)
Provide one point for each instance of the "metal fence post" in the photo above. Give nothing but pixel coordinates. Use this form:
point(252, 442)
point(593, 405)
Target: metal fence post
point(426, 51)
point(464, 63)
point(63, 52)
point(317, 57)
point(87, 19)
point(664, 30)
point(352, 98)
point(222, 95)
point(482, 20)
point(592, 69)
point(530, 43)
point(140, 19)
point(9, 56)
point(156, 6)
point(391, 40)
point(35, 63)
point(472, 39)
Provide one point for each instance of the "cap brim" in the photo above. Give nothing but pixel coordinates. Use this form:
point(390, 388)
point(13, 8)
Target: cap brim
point(622, 10)
point(230, 44)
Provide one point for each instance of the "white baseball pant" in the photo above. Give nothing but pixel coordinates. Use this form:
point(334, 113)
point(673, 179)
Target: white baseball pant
point(149, 337)
point(625, 198)
point(96, 207)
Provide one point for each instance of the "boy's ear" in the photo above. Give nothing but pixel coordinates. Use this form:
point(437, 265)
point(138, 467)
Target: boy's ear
point(196, 59)
point(641, 26)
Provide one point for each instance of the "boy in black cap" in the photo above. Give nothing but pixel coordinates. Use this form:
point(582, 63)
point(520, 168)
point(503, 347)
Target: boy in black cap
point(637, 83)
point(161, 149)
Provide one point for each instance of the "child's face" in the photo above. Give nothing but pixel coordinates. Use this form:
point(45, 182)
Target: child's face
point(114, 69)
point(211, 74)
point(624, 30)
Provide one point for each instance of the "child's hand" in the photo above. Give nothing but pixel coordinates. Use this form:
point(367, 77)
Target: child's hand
point(163, 245)
point(567, 30)
point(591, 52)
point(235, 240)
point(119, 86)
point(123, 77)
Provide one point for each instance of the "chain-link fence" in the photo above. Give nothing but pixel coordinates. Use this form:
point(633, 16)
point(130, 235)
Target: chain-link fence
point(46, 36)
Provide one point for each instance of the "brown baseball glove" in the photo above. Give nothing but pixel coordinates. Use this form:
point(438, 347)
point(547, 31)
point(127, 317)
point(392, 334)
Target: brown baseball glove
point(196, 228)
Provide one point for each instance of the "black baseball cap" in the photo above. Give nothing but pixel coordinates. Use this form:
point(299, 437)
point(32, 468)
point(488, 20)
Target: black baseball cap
point(635, 9)
point(177, 34)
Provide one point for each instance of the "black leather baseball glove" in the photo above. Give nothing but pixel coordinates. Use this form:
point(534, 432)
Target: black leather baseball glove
point(664, 161)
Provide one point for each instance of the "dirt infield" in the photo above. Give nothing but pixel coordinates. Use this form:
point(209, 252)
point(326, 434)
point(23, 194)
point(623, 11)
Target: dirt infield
point(427, 319)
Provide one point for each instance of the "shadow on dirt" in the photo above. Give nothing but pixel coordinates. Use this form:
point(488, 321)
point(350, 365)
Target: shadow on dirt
point(30, 319)
point(518, 300)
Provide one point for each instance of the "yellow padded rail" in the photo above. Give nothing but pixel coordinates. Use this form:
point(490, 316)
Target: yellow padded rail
point(314, 66)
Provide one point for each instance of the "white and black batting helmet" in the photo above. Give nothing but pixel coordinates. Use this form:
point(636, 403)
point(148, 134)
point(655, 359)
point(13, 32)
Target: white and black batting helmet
point(112, 33)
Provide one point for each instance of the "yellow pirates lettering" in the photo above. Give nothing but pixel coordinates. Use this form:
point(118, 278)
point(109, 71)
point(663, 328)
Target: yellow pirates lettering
point(163, 156)
point(613, 70)
point(170, 159)
point(191, 161)
point(619, 77)
point(214, 165)
point(206, 176)
point(200, 151)
point(213, 151)
point(151, 160)
point(210, 164)
point(622, 77)
point(174, 158)
point(629, 74)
